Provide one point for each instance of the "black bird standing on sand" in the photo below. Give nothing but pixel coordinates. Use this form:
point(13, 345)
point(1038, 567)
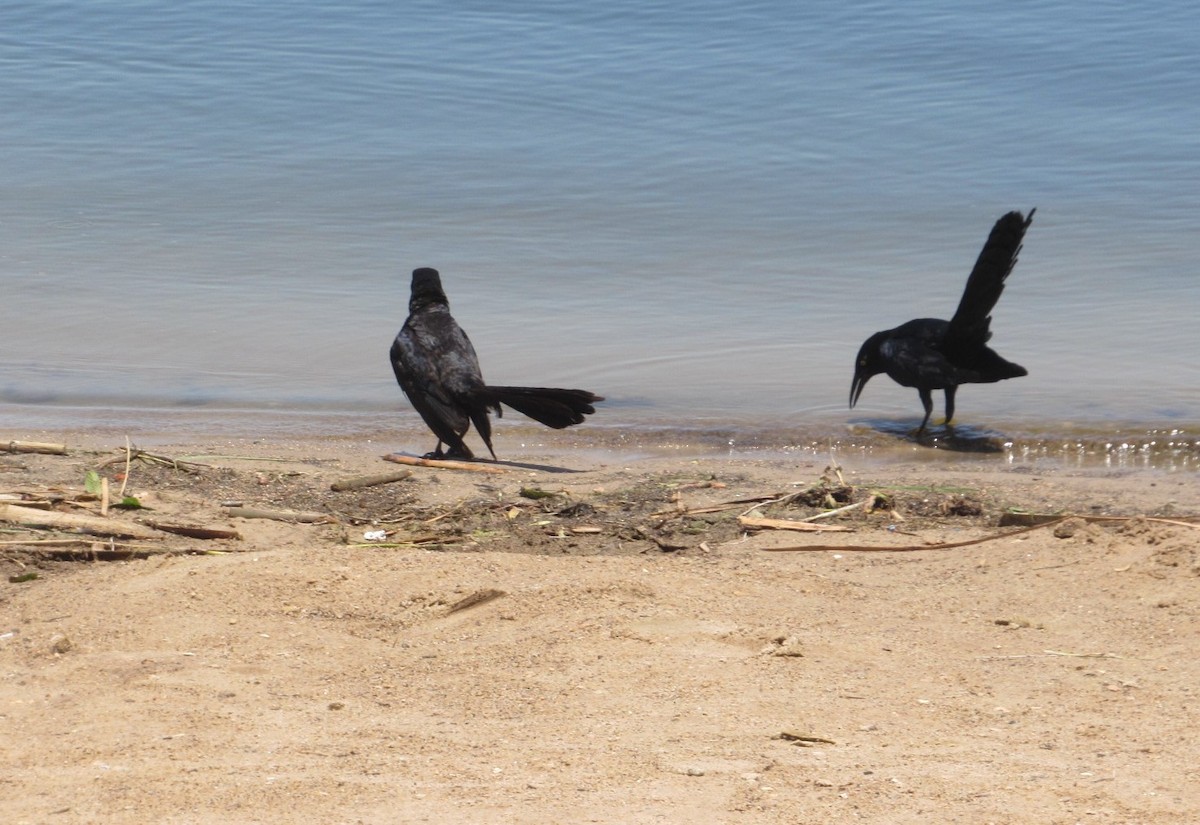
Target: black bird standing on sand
point(439, 372)
point(932, 354)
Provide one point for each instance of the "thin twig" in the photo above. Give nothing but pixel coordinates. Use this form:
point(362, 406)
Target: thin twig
point(151, 458)
point(954, 544)
point(212, 457)
point(1037, 519)
point(128, 463)
point(784, 499)
point(860, 548)
point(839, 510)
point(717, 508)
point(1056, 566)
point(62, 543)
point(1082, 655)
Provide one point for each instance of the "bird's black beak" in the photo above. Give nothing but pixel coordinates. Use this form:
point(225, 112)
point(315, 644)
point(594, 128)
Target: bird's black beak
point(856, 387)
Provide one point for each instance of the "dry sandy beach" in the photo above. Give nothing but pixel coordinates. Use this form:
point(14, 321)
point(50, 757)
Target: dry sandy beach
point(594, 636)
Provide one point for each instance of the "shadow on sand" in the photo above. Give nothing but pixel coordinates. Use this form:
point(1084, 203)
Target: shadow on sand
point(487, 462)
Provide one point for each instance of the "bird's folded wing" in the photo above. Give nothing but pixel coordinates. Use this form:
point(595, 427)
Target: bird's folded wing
point(913, 363)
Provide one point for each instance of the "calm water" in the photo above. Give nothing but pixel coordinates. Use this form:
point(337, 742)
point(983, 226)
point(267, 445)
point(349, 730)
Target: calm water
point(697, 209)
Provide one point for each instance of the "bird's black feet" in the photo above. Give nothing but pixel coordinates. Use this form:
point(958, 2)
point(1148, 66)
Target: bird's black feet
point(450, 455)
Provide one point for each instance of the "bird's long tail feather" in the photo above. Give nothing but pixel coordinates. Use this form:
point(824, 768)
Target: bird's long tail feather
point(556, 408)
point(972, 319)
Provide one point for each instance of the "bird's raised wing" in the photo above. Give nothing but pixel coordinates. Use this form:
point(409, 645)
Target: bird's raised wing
point(972, 320)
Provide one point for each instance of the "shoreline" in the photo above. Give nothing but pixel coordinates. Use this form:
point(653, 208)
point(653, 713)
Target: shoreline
point(1167, 446)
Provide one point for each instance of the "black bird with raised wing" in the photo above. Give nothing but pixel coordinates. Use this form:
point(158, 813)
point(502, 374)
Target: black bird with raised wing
point(931, 354)
point(439, 372)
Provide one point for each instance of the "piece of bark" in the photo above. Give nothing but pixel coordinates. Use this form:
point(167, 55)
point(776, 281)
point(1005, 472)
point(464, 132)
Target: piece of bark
point(194, 532)
point(475, 599)
point(1027, 519)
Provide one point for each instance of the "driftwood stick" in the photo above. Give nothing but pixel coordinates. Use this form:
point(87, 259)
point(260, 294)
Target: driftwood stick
point(33, 447)
point(753, 523)
point(71, 521)
point(413, 461)
point(280, 515)
point(358, 482)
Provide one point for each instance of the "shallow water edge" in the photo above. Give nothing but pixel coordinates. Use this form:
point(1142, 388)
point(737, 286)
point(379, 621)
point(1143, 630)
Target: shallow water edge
point(1171, 446)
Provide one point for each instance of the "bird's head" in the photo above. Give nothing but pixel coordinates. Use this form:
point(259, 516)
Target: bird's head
point(869, 362)
point(426, 289)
